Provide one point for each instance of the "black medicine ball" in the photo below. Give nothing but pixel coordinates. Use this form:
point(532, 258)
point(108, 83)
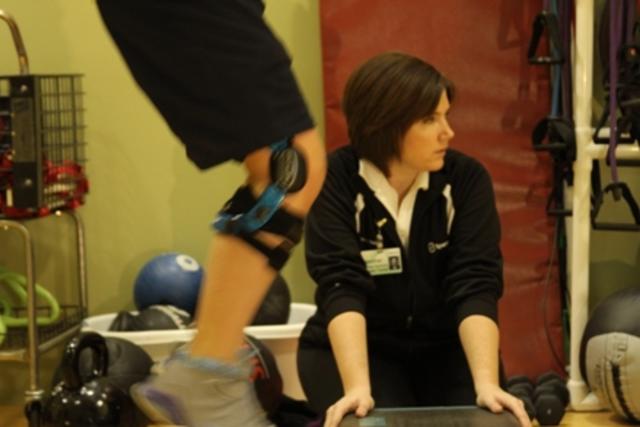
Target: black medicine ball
point(609, 351)
point(276, 304)
point(155, 317)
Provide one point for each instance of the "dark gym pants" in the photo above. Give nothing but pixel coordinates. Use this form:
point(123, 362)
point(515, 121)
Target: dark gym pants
point(402, 374)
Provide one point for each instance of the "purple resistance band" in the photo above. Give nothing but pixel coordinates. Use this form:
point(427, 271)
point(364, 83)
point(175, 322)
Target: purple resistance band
point(615, 18)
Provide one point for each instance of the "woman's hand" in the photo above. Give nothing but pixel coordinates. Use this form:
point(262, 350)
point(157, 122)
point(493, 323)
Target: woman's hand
point(495, 399)
point(356, 400)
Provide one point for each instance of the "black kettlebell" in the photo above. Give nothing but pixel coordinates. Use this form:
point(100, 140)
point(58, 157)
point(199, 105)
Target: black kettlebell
point(94, 402)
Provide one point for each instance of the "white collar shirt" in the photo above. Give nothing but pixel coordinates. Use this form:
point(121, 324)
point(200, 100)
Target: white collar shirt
point(401, 212)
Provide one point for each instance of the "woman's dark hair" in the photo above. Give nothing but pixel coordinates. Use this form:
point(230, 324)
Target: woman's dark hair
point(384, 97)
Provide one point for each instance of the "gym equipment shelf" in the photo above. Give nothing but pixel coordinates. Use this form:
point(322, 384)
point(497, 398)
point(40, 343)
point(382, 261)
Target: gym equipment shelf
point(25, 345)
point(579, 239)
point(41, 174)
point(42, 140)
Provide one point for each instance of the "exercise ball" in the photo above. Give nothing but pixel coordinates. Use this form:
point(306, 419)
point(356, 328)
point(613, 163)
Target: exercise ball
point(275, 306)
point(169, 279)
point(610, 352)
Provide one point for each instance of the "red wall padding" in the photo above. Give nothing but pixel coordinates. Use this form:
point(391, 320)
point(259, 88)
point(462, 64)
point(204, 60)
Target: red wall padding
point(481, 46)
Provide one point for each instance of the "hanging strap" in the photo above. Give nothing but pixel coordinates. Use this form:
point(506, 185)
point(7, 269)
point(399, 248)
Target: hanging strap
point(555, 133)
point(621, 57)
point(626, 195)
point(629, 84)
point(546, 20)
point(615, 29)
point(627, 107)
point(555, 201)
point(556, 136)
point(621, 137)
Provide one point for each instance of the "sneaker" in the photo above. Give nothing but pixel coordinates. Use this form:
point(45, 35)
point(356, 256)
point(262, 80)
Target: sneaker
point(198, 392)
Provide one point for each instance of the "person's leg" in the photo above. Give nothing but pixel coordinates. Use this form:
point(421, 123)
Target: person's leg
point(318, 372)
point(223, 83)
point(238, 276)
point(209, 384)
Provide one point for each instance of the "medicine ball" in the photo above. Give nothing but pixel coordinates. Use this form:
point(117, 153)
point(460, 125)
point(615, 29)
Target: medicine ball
point(156, 317)
point(172, 279)
point(265, 375)
point(276, 304)
point(610, 352)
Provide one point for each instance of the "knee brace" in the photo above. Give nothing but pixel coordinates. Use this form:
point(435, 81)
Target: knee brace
point(244, 215)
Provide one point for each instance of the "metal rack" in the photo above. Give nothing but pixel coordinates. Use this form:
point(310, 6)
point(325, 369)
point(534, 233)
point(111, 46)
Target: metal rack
point(579, 240)
point(41, 174)
point(38, 339)
point(41, 140)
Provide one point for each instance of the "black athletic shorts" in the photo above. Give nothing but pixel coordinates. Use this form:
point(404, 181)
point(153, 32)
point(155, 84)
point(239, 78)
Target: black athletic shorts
point(213, 69)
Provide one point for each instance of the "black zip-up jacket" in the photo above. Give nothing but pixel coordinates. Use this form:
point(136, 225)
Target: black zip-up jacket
point(452, 268)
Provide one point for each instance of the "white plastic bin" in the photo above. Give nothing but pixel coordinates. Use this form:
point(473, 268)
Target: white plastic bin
point(282, 340)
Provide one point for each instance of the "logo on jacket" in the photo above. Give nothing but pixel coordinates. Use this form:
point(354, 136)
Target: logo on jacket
point(433, 247)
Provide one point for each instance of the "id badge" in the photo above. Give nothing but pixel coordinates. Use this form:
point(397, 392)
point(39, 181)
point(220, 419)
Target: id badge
point(384, 261)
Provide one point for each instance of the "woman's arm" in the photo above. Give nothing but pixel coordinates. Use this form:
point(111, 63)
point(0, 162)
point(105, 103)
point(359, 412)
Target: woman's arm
point(348, 336)
point(480, 339)
point(347, 333)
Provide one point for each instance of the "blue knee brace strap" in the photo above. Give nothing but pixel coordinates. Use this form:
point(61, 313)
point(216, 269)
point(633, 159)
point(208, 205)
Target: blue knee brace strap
point(244, 215)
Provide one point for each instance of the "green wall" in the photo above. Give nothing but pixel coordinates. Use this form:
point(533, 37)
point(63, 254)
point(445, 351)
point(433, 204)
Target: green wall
point(145, 196)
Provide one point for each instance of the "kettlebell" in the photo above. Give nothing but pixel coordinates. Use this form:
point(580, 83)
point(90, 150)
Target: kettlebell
point(94, 402)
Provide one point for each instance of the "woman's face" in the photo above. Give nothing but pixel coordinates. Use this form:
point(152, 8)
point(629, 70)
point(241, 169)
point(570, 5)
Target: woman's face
point(425, 143)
